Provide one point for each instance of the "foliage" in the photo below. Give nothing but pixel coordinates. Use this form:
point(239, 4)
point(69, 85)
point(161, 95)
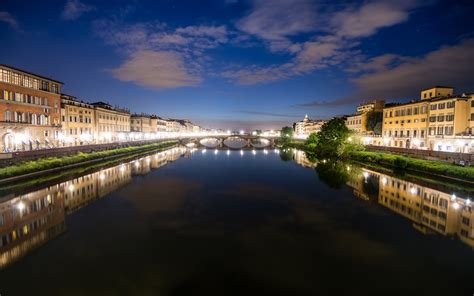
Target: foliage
point(374, 122)
point(287, 132)
point(54, 162)
point(312, 141)
point(415, 164)
point(332, 139)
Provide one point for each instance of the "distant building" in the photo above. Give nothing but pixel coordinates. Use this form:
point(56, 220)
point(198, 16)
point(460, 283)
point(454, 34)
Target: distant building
point(78, 122)
point(307, 126)
point(112, 124)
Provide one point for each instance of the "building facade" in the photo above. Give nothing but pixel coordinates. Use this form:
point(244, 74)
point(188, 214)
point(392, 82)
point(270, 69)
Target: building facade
point(439, 121)
point(112, 124)
point(29, 110)
point(358, 122)
point(307, 126)
point(78, 122)
point(140, 123)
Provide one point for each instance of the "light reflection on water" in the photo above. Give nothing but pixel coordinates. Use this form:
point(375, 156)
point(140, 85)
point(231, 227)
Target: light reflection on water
point(28, 221)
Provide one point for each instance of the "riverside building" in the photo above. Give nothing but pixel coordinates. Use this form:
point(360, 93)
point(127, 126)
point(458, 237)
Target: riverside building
point(358, 122)
point(439, 121)
point(78, 122)
point(29, 110)
point(112, 124)
point(306, 127)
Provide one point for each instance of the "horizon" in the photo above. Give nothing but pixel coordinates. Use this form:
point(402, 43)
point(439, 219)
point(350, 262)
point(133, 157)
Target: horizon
point(233, 64)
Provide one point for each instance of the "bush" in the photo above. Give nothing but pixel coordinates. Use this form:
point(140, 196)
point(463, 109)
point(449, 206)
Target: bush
point(400, 163)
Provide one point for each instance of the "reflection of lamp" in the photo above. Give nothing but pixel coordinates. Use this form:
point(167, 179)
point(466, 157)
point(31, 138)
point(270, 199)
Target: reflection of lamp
point(384, 181)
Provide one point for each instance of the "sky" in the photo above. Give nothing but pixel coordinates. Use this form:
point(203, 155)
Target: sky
point(242, 64)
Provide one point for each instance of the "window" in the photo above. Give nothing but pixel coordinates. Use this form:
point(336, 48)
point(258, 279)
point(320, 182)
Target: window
point(432, 131)
point(432, 118)
point(423, 109)
point(472, 116)
point(433, 107)
point(465, 220)
point(448, 130)
point(440, 118)
point(441, 105)
point(422, 133)
point(414, 133)
point(54, 88)
point(450, 104)
point(450, 117)
point(440, 130)
point(44, 85)
point(415, 111)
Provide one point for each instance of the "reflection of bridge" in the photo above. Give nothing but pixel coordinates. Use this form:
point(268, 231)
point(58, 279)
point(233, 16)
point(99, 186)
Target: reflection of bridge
point(230, 141)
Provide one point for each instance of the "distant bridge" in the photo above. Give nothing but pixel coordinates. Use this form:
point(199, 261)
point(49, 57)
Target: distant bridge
point(230, 141)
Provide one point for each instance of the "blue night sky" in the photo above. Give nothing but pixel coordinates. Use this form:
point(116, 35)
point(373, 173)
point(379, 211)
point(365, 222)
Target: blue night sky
point(242, 63)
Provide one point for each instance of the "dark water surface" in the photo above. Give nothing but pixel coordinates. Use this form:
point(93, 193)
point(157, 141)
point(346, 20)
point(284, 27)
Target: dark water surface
point(182, 223)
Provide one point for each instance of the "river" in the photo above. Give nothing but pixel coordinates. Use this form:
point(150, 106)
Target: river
point(220, 222)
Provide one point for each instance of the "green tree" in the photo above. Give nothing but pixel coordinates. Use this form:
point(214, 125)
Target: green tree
point(312, 141)
point(332, 139)
point(287, 132)
point(374, 122)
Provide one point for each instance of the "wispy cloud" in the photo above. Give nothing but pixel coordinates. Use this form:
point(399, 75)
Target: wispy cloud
point(156, 69)
point(74, 9)
point(336, 34)
point(149, 44)
point(6, 17)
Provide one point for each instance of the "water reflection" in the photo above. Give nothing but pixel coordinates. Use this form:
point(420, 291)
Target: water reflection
point(29, 220)
point(432, 211)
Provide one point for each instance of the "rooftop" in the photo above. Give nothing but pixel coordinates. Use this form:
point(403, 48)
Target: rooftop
point(30, 73)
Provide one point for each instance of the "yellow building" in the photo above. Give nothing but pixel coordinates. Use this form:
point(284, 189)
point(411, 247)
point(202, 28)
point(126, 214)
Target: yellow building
point(357, 122)
point(307, 126)
point(438, 121)
point(111, 124)
point(140, 123)
point(78, 121)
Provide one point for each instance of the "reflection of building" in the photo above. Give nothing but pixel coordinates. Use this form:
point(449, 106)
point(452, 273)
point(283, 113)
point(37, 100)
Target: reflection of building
point(430, 210)
point(301, 159)
point(307, 126)
point(438, 121)
point(77, 119)
point(29, 110)
point(28, 221)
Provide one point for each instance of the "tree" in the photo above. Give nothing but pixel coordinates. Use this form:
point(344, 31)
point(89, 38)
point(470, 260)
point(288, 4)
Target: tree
point(374, 122)
point(332, 139)
point(312, 141)
point(287, 132)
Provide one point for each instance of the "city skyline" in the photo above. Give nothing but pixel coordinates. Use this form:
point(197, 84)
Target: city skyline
point(242, 64)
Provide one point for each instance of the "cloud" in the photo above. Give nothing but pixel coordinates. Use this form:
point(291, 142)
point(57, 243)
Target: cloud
point(153, 41)
point(276, 20)
point(156, 69)
point(6, 17)
point(451, 65)
point(338, 33)
point(74, 9)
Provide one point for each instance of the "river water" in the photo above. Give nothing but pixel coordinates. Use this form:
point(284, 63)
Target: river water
point(217, 222)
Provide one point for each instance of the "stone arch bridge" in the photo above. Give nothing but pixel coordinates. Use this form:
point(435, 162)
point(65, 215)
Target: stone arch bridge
point(229, 142)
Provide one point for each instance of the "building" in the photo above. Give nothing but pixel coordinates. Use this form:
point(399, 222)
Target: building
point(140, 123)
point(112, 124)
point(358, 122)
point(77, 122)
point(307, 126)
point(29, 110)
point(439, 121)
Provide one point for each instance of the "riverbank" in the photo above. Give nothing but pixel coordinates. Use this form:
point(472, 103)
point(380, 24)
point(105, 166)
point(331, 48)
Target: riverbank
point(34, 168)
point(399, 162)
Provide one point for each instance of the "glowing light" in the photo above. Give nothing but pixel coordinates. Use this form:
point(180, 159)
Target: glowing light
point(122, 168)
point(254, 152)
point(228, 152)
point(71, 187)
point(216, 152)
point(453, 197)
point(384, 181)
point(413, 190)
point(137, 164)
point(241, 152)
point(102, 176)
point(265, 151)
point(456, 206)
point(416, 142)
point(348, 168)
point(349, 139)
point(20, 206)
point(366, 175)
point(242, 132)
point(203, 151)
point(468, 201)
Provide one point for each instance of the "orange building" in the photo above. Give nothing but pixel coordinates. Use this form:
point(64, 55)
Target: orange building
point(29, 110)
